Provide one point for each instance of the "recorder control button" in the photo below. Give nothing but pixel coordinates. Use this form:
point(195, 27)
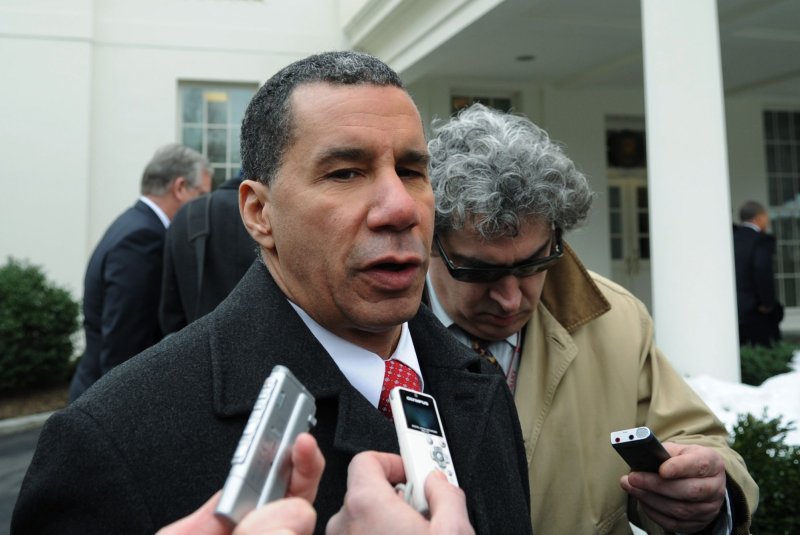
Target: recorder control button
point(439, 457)
point(429, 440)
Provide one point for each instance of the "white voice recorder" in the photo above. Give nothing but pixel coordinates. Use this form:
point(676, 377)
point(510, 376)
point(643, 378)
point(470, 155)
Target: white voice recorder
point(261, 465)
point(423, 446)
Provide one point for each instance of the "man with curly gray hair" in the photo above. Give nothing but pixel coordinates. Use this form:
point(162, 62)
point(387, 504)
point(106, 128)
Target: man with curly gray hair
point(576, 349)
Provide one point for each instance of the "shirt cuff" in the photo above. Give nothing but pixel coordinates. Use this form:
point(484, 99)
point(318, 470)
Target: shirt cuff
point(724, 523)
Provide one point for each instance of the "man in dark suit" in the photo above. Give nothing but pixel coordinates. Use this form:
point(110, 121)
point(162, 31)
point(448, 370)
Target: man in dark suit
point(123, 280)
point(207, 251)
point(338, 199)
point(760, 313)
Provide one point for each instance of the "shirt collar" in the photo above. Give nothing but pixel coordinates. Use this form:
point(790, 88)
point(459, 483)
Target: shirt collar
point(442, 315)
point(157, 209)
point(751, 226)
point(362, 368)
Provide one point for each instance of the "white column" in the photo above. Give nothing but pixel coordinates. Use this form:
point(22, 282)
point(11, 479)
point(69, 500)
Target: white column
point(694, 301)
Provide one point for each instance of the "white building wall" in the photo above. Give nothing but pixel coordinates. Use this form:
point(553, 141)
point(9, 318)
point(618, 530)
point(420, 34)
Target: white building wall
point(90, 90)
point(45, 53)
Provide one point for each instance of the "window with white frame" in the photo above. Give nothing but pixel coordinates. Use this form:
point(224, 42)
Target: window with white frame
point(210, 121)
point(782, 144)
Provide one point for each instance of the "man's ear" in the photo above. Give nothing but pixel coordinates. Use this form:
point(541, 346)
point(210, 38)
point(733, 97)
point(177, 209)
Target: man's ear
point(178, 188)
point(255, 209)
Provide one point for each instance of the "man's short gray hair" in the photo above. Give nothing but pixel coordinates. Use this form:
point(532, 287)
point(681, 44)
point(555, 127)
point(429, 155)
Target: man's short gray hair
point(267, 126)
point(499, 171)
point(170, 162)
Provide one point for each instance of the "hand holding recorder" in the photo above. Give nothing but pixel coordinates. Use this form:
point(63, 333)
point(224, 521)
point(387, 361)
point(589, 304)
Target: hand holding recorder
point(686, 491)
point(293, 513)
point(423, 446)
point(373, 505)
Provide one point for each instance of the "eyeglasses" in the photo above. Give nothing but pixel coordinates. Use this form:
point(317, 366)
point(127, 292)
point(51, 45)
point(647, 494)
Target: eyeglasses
point(526, 268)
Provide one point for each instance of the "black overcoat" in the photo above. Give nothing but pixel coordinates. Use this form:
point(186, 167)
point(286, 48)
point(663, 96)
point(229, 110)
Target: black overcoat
point(153, 439)
point(228, 251)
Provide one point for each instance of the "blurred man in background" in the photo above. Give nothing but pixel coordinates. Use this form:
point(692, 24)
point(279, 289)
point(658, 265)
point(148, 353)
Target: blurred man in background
point(123, 280)
point(760, 312)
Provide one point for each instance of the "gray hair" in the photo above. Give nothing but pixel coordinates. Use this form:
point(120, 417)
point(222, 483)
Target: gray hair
point(499, 171)
point(267, 126)
point(170, 162)
point(750, 210)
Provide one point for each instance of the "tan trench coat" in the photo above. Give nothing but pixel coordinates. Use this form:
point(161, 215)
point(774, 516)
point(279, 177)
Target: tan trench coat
point(588, 354)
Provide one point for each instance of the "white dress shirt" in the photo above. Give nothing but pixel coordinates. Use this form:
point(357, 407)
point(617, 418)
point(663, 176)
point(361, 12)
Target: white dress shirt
point(362, 368)
point(157, 209)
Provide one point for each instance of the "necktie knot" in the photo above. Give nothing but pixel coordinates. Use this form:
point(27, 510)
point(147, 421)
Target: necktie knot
point(396, 374)
point(481, 347)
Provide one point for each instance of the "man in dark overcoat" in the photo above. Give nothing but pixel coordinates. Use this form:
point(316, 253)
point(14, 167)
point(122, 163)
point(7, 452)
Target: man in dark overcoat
point(760, 312)
point(338, 199)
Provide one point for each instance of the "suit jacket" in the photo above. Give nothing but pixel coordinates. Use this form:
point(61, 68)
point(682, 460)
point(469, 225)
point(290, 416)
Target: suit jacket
point(120, 295)
point(229, 252)
point(755, 279)
point(590, 366)
point(153, 439)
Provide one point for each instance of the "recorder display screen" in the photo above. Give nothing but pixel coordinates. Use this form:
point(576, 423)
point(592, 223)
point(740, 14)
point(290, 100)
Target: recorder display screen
point(420, 413)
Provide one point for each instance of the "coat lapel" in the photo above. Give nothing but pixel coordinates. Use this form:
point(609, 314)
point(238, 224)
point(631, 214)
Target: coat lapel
point(465, 398)
point(548, 353)
point(570, 299)
point(256, 319)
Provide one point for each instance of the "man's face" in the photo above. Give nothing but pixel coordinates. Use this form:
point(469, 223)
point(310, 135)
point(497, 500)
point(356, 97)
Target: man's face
point(491, 310)
point(347, 222)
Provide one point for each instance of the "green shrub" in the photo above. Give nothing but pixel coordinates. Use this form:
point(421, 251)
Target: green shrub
point(760, 363)
point(775, 466)
point(37, 321)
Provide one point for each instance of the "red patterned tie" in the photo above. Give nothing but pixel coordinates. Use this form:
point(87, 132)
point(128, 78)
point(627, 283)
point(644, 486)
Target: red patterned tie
point(396, 374)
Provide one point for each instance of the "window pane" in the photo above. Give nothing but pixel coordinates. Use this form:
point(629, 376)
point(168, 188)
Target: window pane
point(458, 102)
point(772, 158)
point(782, 138)
point(193, 138)
point(616, 248)
point(784, 158)
point(616, 222)
point(192, 104)
point(644, 223)
point(641, 197)
point(236, 155)
point(614, 197)
point(502, 104)
point(217, 111)
point(210, 122)
point(790, 289)
point(796, 121)
point(783, 126)
point(217, 145)
point(788, 189)
point(219, 176)
point(644, 248)
point(240, 98)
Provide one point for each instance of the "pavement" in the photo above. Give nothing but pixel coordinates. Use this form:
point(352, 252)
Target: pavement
point(18, 437)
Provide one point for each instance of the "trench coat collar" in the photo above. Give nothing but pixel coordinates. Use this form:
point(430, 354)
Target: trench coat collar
point(571, 295)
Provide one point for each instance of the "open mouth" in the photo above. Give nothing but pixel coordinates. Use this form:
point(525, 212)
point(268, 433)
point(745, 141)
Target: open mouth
point(391, 266)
